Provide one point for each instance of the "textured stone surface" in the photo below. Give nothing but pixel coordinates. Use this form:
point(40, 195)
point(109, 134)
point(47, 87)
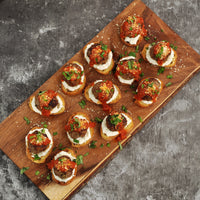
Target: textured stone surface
point(162, 161)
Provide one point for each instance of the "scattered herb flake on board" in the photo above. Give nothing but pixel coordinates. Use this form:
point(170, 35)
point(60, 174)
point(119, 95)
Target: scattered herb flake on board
point(147, 38)
point(27, 120)
point(48, 177)
point(124, 108)
point(142, 74)
point(168, 84)
point(169, 76)
point(137, 48)
point(140, 119)
point(43, 123)
point(161, 30)
point(55, 133)
point(126, 91)
point(121, 55)
point(79, 160)
point(98, 120)
point(22, 170)
point(42, 175)
point(60, 146)
point(120, 145)
point(37, 173)
point(92, 145)
point(82, 104)
point(158, 55)
point(108, 144)
point(101, 145)
point(132, 54)
point(173, 47)
point(86, 154)
point(161, 70)
point(140, 60)
point(54, 148)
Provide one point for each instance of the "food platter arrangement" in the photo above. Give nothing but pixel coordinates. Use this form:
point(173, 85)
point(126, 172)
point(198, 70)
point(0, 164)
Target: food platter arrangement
point(93, 105)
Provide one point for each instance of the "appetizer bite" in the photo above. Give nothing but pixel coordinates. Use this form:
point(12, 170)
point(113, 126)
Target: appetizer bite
point(148, 91)
point(159, 54)
point(63, 167)
point(116, 125)
point(73, 80)
point(99, 56)
point(79, 129)
point(132, 31)
point(102, 92)
point(47, 103)
point(128, 70)
point(39, 144)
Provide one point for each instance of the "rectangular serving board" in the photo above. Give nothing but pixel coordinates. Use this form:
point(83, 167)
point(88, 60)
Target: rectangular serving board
point(14, 129)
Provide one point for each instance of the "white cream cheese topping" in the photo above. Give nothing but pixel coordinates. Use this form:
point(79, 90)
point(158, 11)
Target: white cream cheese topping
point(80, 139)
point(110, 133)
point(154, 62)
point(98, 66)
point(46, 131)
point(60, 154)
point(132, 40)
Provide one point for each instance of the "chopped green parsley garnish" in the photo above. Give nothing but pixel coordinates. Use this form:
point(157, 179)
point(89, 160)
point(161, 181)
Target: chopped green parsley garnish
point(124, 108)
point(120, 145)
point(92, 145)
point(22, 170)
point(37, 173)
point(98, 120)
point(82, 104)
point(76, 141)
point(161, 70)
point(108, 144)
point(55, 133)
point(79, 160)
point(27, 120)
point(168, 84)
point(140, 119)
point(169, 76)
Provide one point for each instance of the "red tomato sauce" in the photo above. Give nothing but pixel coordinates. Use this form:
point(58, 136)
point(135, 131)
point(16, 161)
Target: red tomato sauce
point(132, 27)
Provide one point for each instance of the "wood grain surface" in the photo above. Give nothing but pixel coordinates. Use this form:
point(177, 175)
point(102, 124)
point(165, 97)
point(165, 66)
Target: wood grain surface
point(14, 129)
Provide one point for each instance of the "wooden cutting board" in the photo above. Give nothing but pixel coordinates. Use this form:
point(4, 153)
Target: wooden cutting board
point(14, 129)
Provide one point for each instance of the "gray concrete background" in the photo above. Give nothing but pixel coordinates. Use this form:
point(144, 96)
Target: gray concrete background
point(162, 160)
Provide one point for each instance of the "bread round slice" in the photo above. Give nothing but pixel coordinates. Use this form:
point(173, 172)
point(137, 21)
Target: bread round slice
point(71, 152)
point(30, 155)
point(61, 104)
point(172, 64)
point(78, 90)
point(91, 129)
point(144, 104)
point(128, 128)
point(115, 100)
point(101, 71)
